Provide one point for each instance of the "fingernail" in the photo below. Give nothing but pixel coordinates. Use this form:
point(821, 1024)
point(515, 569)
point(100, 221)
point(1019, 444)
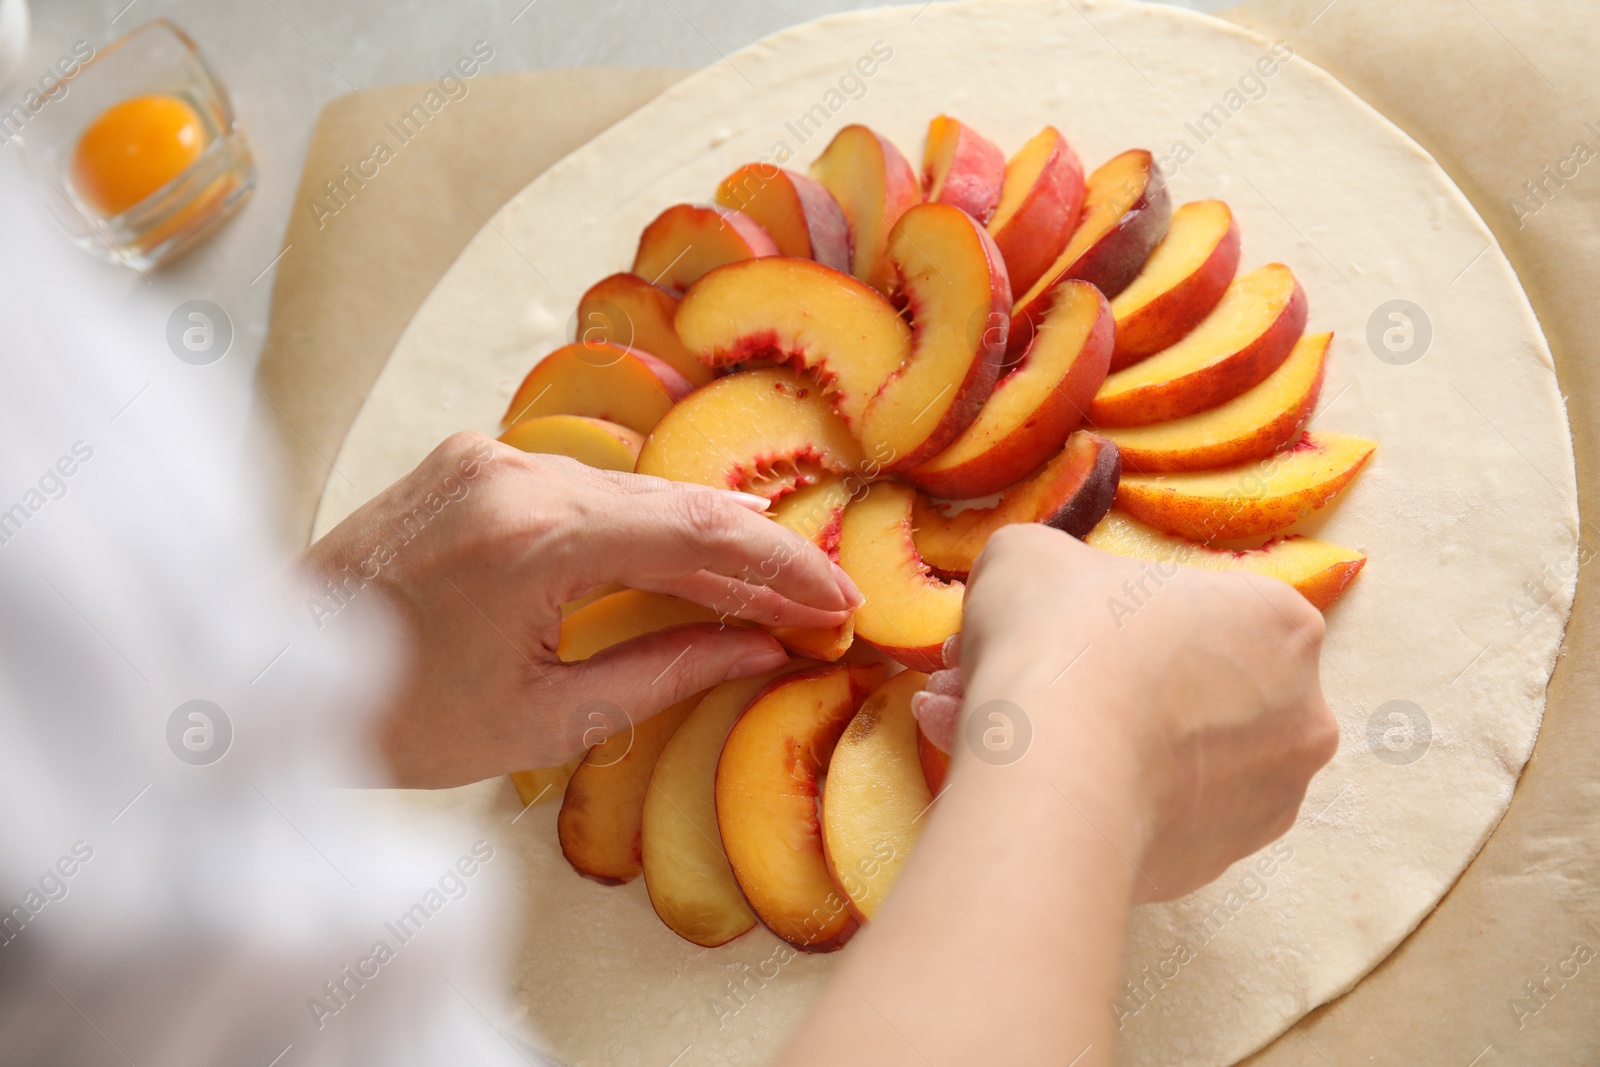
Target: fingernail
point(757, 663)
point(950, 654)
point(852, 595)
point(747, 500)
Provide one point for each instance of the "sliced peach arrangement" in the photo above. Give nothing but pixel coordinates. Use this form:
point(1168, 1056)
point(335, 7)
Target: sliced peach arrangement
point(901, 367)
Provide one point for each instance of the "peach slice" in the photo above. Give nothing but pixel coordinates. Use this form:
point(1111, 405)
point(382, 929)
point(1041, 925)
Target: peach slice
point(1318, 570)
point(1125, 214)
point(542, 784)
point(909, 613)
point(815, 512)
point(686, 240)
point(797, 212)
point(1039, 207)
point(607, 446)
point(1243, 340)
point(762, 431)
point(622, 616)
point(1181, 281)
point(627, 311)
point(955, 285)
point(1072, 492)
point(602, 813)
point(766, 791)
point(875, 186)
point(875, 796)
point(599, 822)
point(1037, 402)
point(1252, 425)
point(1250, 499)
point(797, 311)
point(686, 870)
point(935, 763)
point(601, 381)
point(962, 168)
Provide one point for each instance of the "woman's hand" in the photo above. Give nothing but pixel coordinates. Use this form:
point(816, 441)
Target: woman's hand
point(1202, 684)
point(477, 549)
point(1173, 720)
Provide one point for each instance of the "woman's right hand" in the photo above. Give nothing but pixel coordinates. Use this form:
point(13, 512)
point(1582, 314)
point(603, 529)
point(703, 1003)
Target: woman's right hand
point(1195, 691)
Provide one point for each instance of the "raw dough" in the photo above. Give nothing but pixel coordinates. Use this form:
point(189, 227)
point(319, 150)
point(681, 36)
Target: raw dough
point(1468, 510)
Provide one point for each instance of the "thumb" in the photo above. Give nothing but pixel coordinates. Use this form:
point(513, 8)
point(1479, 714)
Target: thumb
point(656, 670)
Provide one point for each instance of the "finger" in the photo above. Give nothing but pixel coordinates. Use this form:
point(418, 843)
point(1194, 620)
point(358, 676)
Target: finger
point(648, 483)
point(948, 682)
point(937, 714)
point(733, 598)
point(656, 537)
point(648, 673)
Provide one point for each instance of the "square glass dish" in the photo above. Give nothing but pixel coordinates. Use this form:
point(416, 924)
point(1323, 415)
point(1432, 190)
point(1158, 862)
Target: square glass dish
point(138, 155)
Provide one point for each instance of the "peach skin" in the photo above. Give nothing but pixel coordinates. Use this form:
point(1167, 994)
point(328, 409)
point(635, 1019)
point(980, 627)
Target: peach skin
point(954, 284)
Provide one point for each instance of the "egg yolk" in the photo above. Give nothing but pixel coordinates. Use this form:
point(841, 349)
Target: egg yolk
point(134, 148)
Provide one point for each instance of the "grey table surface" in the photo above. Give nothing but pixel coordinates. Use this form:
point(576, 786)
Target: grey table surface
point(283, 60)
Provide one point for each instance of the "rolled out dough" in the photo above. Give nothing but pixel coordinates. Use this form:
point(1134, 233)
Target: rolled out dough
point(1436, 660)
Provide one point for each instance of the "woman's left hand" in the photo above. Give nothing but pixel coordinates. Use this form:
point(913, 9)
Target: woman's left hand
point(476, 550)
